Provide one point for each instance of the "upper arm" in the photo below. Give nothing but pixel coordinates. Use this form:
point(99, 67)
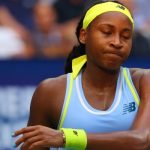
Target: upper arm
point(38, 114)
point(142, 121)
point(47, 103)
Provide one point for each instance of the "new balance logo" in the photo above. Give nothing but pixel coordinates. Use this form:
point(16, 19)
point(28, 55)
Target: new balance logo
point(121, 7)
point(127, 108)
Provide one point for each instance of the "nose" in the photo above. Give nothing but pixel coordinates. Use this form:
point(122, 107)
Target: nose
point(116, 41)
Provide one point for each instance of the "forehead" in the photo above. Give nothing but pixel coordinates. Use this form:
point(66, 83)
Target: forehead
point(114, 19)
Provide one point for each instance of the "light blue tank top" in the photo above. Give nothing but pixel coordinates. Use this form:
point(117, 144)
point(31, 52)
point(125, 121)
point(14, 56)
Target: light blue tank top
point(79, 114)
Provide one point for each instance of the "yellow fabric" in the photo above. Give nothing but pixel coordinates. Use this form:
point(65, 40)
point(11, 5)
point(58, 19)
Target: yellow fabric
point(77, 64)
point(75, 138)
point(99, 9)
point(67, 102)
point(131, 87)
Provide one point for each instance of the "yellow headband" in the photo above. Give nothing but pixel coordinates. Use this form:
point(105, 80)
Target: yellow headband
point(99, 9)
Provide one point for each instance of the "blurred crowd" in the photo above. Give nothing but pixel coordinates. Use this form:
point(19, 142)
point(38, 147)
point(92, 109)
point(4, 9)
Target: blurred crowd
point(32, 29)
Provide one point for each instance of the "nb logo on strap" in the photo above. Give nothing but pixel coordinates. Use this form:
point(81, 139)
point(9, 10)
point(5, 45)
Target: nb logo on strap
point(127, 108)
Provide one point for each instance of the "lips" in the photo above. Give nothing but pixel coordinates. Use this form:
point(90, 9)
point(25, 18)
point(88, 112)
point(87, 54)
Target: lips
point(113, 53)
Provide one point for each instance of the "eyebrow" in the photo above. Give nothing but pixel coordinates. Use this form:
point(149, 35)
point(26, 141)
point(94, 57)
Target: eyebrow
point(112, 26)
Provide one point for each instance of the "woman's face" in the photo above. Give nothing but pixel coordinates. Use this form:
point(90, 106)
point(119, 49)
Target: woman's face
point(108, 40)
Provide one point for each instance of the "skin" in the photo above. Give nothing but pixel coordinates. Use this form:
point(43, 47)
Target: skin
point(104, 59)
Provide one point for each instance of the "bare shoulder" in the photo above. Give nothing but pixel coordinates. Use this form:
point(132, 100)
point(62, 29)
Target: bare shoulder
point(50, 85)
point(140, 77)
point(139, 72)
point(47, 101)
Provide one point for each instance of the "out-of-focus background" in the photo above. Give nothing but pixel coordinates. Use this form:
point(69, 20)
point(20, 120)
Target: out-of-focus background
point(35, 38)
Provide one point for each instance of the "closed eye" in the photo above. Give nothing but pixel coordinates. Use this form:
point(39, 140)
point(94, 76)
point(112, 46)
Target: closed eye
point(107, 33)
point(126, 37)
point(126, 34)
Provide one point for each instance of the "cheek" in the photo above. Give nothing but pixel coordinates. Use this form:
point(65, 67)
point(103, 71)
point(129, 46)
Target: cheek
point(126, 51)
point(128, 47)
point(97, 42)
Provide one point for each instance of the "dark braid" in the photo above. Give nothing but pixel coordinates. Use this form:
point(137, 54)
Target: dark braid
point(79, 50)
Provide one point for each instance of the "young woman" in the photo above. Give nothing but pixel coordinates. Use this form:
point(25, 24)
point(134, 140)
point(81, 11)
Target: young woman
point(100, 104)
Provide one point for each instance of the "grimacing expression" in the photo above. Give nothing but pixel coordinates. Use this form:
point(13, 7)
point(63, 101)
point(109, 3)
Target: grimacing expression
point(108, 40)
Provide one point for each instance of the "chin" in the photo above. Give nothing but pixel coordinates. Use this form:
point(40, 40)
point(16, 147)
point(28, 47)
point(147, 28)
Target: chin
point(110, 69)
point(113, 65)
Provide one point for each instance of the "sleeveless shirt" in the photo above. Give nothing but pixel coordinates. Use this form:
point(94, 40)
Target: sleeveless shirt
point(77, 113)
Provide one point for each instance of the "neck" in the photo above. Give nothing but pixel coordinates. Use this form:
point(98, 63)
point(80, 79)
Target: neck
point(99, 86)
point(99, 77)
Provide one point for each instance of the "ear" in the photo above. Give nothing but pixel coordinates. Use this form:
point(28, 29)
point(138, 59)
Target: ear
point(82, 37)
